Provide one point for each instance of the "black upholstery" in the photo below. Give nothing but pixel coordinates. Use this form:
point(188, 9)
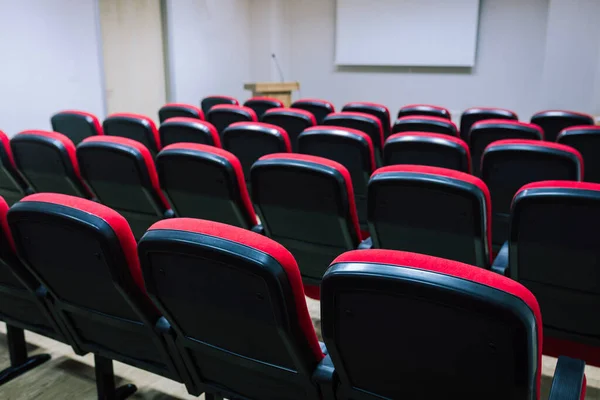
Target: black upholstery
point(586, 140)
point(317, 107)
point(507, 165)
point(76, 125)
point(554, 121)
point(188, 130)
point(483, 133)
point(293, 121)
point(476, 114)
point(210, 101)
point(424, 109)
point(351, 148)
point(223, 115)
point(260, 104)
point(12, 185)
point(378, 110)
point(136, 127)
point(424, 148)
point(172, 110)
point(423, 123)
point(367, 123)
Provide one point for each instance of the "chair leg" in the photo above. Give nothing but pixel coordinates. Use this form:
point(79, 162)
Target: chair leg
point(19, 362)
point(212, 396)
point(105, 381)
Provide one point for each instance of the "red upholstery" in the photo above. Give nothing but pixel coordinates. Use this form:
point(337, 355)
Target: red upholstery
point(96, 121)
point(509, 122)
point(296, 111)
point(115, 220)
point(453, 174)
point(263, 244)
point(438, 108)
point(458, 270)
point(356, 132)
point(369, 104)
point(4, 224)
point(312, 100)
point(153, 129)
point(233, 107)
point(213, 131)
point(6, 144)
point(586, 127)
point(197, 110)
point(66, 142)
point(432, 119)
point(279, 129)
point(561, 185)
point(332, 164)
point(145, 153)
point(232, 160)
point(539, 113)
point(550, 145)
point(362, 115)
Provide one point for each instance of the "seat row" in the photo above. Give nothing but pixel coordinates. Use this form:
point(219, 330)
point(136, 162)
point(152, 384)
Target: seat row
point(221, 309)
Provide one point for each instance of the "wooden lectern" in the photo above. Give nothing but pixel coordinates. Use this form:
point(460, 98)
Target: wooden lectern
point(279, 90)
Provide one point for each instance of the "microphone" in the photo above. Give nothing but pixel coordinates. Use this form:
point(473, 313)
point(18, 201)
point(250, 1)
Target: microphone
point(278, 67)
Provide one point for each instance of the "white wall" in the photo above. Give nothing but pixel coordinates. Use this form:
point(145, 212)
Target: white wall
point(50, 61)
point(209, 48)
point(532, 55)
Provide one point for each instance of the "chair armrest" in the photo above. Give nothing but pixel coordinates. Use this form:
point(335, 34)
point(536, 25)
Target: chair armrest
point(258, 229)
point(365, 244)
point(569, 381)
point(500, 264)
point(324, 378)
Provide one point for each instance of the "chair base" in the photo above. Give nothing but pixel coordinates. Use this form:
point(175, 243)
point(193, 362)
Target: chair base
point(14, 371)
point(105, 381)
point(19, 361)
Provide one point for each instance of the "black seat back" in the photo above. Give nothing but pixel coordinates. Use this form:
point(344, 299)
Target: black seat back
point(136, 127)
point(76, 125)
point(483, 133)
point(419, 123)
point(173, 110)
point(122, 174)
point(554, 253)
point(430, 210)
point(242, 326)
point(188, 130)
point(261, 104)
point(317, 107)
point(586, 140)
point(367, 123)
point(554, 121)
point(205, 182)
point(378, 110)
point(476, 114)
point(351, 148)
point(12, 185)
point(223, 115)
point(389, 314)
point(508, 165)
point(307, 204)
point(293, 120)
point(424, 110)
point(48, 162)
point(210, 101)
point(424, 148)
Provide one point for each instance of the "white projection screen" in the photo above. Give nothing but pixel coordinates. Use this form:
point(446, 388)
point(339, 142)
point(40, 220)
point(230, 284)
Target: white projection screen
point(438, 33)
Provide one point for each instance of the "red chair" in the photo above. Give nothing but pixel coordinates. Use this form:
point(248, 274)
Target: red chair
point(424, 148)
point(293, 121)
point(483, 133)
point(553, 251)
point(367, 123)
point(554, 121)
point(223, 115)
point(261, 104)
point(12, 185)
point(586, 140)
point(205, 182)
point(478, 335)
point(317, 107)
point(122, 174)
point(242, 327)
point(188, 130)
point(475, 114)
point(136, 127)
point(76, 125)
point(172, 110)
point(424, 110)
point(210, 101)
point(430, 210)
point(306, 203)
point(378, 110)
point(418, 123)
point(48, 162)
